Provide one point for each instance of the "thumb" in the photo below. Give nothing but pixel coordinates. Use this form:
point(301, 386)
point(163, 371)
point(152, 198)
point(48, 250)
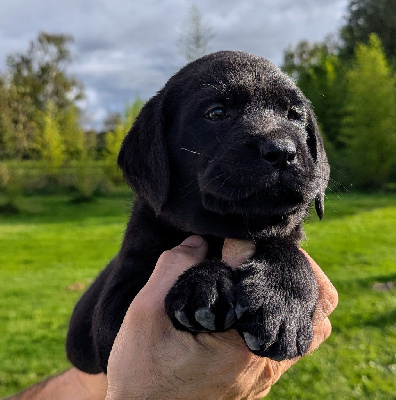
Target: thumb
point(236, 252)
point(174, 262)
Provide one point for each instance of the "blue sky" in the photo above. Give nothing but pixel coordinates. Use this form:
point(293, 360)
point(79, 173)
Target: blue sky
point(128, 48)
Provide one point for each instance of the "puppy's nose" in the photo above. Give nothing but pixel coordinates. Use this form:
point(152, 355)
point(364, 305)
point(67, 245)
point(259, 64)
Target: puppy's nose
point(279, 153)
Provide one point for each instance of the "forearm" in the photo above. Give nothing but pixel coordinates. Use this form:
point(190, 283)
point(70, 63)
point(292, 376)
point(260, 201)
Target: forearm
point(71, 384)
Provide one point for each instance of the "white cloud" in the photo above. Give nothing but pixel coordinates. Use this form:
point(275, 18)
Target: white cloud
point(127, 48)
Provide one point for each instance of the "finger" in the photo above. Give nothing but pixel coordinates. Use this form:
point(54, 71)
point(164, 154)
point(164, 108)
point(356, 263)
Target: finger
point(236, 252)
point(174, 262)
point(321, 332)
point(328, 296)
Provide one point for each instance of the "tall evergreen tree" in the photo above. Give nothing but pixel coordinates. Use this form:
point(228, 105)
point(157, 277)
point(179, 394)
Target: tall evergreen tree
point(196, 36)
point(369, 127)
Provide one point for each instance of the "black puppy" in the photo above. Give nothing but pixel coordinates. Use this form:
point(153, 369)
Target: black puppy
point(229, 148)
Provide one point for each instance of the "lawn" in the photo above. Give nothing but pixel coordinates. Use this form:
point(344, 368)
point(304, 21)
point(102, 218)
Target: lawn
point(53, 250)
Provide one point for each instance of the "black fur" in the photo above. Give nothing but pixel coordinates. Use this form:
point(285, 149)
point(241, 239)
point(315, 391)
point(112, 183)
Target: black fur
point(229, 148)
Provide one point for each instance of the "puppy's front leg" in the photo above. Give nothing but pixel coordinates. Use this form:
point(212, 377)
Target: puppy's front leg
point(202, 299)
point(276, 294)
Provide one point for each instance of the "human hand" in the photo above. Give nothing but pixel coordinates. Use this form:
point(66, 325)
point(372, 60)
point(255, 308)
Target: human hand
point(150, 359)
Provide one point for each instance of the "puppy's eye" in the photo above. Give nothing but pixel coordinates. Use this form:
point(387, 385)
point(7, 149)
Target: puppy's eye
point(216, 114)
point(294, 115)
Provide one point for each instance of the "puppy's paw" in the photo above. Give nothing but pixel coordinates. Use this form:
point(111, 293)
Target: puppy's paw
point(275, 312)
point(202, 299)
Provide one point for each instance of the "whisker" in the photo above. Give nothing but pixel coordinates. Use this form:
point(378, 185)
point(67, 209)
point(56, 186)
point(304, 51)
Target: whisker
point(212, 180)
point(245, 221)
point(333, 191)
point(211, 158)
point(188, 184)
point(226, 180)
point(331, 203)
point(197, 152)
point(339, 185)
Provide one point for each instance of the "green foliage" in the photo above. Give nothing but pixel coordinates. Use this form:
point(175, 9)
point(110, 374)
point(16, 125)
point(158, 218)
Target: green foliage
point(113, 140)
point(49, 143)
point(369, 127)
point(5, 121)
point(365, 17)
point(72, 133)
point(10, 189)
point(319, 74)
point(355, 103)
point(17, 125)
point(34, 82)
point(297, 60)
point(40, 120)
point(41, 72)
point(66, 245)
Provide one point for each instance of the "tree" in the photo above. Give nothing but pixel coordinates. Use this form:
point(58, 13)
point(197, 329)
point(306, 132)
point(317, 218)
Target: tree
point(5, 121)
point(41, 72)
point(17, 128)
point(33, 80)
point(113, 139)
point(369, 16)
point(195, 38)
point(297, 60)
point(320, 75)
point(369, 127)
point(49, 143)
point(111, 121)
point(72, 133)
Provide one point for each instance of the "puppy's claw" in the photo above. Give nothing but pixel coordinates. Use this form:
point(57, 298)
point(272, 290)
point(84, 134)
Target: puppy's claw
point(240, 310)
point(206, 318)
point(251, 341)
point(181, 316)
point(230, 318)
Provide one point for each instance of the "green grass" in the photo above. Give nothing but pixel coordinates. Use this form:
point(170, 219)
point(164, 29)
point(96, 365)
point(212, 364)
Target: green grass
point(47, 257)
point(51, 252)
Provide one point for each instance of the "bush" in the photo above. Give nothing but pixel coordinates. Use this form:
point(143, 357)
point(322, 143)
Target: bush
point(11, 188)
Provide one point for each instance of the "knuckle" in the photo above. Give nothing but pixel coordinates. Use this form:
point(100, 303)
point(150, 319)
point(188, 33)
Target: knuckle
point(326, 329)
point(321, 332)
point(333, 298)
point(177, 256)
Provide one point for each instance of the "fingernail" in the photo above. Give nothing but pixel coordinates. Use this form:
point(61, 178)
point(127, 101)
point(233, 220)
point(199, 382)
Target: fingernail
point(193, 241)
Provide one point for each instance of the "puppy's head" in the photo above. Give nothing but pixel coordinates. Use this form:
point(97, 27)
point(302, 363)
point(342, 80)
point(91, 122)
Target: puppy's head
point(229, 147)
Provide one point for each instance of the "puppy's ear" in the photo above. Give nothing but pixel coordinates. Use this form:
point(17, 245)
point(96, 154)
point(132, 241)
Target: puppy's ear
point(317, 151)
point(143, 156)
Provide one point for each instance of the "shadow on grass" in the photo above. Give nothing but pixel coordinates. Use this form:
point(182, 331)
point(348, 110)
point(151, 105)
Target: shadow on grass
point(9, 209)
point(68, 208)
point(379, 321)
point(82, 200)
point(368, 296)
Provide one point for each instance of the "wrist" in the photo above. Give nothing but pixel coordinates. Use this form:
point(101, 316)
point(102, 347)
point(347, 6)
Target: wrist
point(92, 387)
